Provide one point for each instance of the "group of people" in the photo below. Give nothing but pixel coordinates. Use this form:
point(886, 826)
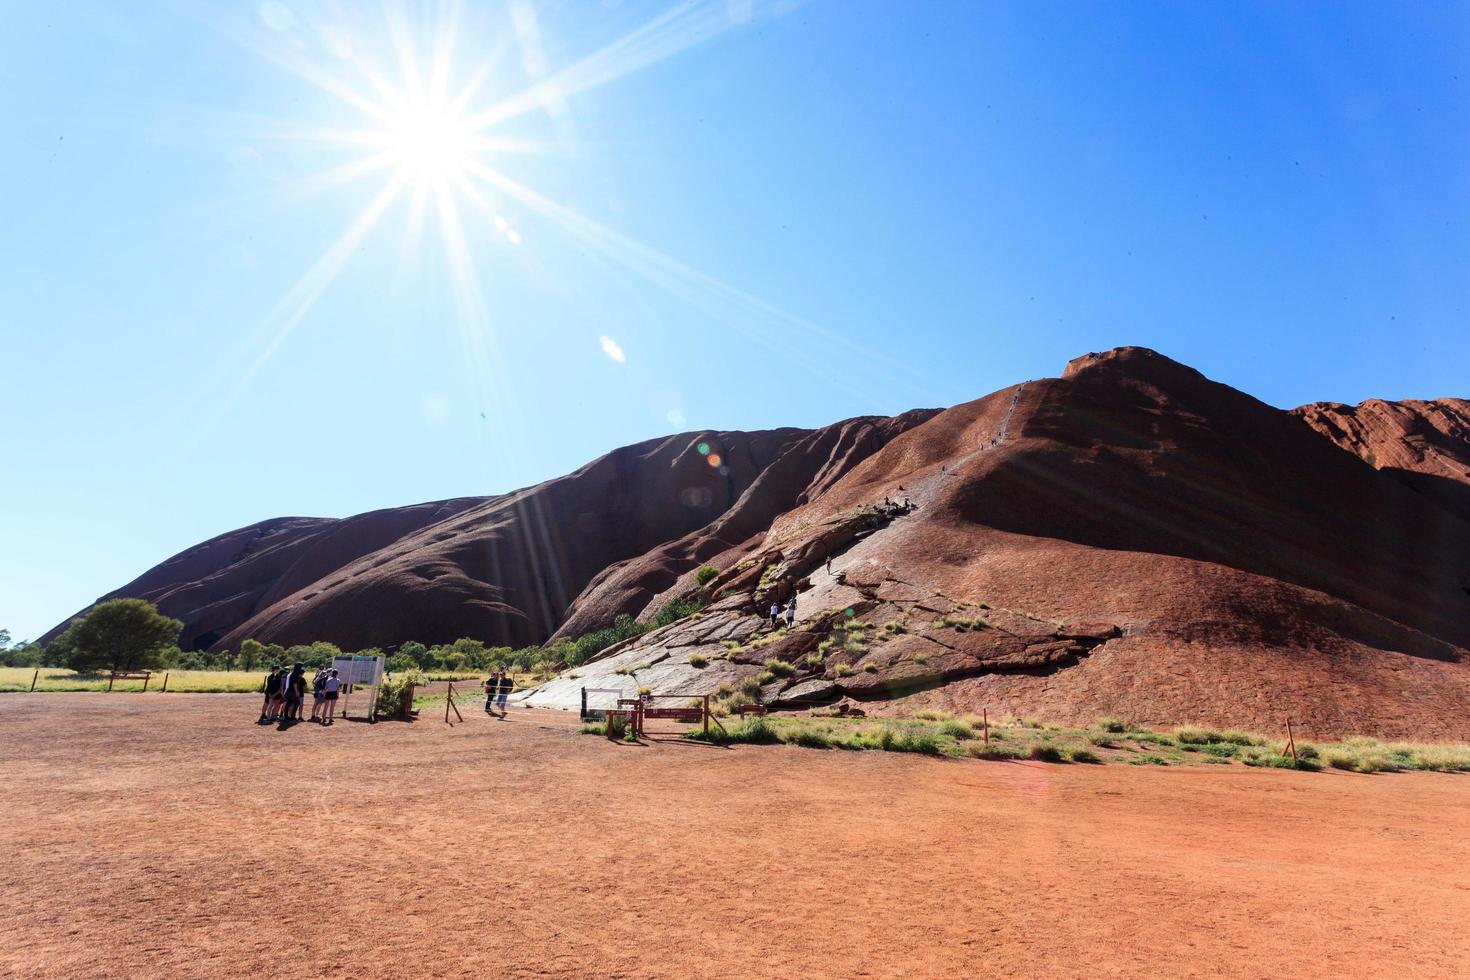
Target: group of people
point(285, 694)
point(497, 688)
point(777, 612)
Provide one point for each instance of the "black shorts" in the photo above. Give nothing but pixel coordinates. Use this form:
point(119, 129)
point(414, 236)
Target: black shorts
point(330, 696)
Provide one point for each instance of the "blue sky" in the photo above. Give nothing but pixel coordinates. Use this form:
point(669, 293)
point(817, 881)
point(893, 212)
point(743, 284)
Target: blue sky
point(776, 213)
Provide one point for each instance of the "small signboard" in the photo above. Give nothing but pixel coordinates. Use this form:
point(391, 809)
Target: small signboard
point(355, 671)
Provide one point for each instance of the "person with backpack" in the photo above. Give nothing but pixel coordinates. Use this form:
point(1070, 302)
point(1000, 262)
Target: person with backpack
point(507, 684)
point(272, 685)
point(791, 612)
point(318, 693)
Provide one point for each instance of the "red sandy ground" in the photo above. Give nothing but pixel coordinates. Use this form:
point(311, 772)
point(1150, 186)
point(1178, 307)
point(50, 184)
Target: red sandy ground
point(170, 836)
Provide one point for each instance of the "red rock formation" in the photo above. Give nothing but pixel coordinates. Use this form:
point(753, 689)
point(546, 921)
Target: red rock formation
point(1238, 567)
point(1137, 539)
point(500, 569)
point(1425, 444)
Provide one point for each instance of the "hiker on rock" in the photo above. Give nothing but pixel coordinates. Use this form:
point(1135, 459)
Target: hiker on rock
point(791, 612)
point(775, 614)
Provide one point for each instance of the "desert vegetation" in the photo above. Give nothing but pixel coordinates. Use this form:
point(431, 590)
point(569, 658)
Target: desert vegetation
point(1108, 741)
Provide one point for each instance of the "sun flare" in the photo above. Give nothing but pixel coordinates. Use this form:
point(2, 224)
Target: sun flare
point(429, 143)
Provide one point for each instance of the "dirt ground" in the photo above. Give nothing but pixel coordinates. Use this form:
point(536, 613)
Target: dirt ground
point(170, 836)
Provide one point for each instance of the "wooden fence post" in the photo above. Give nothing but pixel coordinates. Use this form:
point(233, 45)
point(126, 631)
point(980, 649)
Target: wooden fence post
point(146, 678)
point(1290, 742)
point(34, 677)
point(985, 719)
point(164, 688)
point(706, 716)
point(110, 678)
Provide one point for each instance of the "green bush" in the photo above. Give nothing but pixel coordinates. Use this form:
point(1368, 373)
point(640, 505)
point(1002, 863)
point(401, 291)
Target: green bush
point(1046, 753)
point(705, 574)
point(391, 703)
point(1084, 755)
point(957, 730)
point(780, 668)
point(676, 609)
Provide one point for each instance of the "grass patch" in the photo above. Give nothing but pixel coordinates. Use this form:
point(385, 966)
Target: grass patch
point(780, 668)
point(698, 660)
point(1046, 753)
point(845, 670)
point(1085, 756)
point(1113, 725)
point(1148, 760)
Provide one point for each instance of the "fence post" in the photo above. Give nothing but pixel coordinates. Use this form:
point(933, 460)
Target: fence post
point(985, 718)
point(1290, 742)
point(164, 688)
point(34, 676)
point(448, 698)
point(110, 678)
point(706, 716)
point(583, 714)
point(146, 679)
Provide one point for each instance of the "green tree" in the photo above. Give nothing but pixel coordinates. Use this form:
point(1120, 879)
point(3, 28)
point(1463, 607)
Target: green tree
point(4, 639)
point(251, 652)
point(705, 573)
point(120, 634)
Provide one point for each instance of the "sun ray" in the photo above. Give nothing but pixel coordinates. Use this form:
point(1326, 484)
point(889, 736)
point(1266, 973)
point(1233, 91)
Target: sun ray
point(292, 308)
point(692, 285)
point(675, 30)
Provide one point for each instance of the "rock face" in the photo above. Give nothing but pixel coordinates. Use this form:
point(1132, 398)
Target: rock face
point(1130, 538)
point(1150, 544)
point(501, 569)
point(1424, 444)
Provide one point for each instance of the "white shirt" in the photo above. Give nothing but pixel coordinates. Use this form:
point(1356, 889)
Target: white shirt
point(332, 684)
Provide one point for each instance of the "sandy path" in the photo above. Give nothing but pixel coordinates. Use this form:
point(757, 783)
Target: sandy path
point(167, 835)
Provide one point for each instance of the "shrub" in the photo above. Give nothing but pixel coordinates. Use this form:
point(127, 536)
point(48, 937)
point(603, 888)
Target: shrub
point(594, 728)
point(705, 574)
point(1084, 755)
point(780, 668)
point(1194, 735)
point(1046, 753)
point(1148, 760)
point(815, 661)
point(978, 750)
point(931, 715)
point(845, 670)
point(870, 668)
point(1112, 725)
point(391, 701)
point(957, 730)
point(698, 660)
point(676, 609)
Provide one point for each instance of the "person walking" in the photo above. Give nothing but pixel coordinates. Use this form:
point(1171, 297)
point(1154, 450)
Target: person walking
point(329, 694)
point(791, 612)
point(491, 687)
point(775, 615)
point(272, 685)
point(507, 684)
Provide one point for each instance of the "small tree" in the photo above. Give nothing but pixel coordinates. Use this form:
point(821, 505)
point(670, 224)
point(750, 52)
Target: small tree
point(705, 573)
point(121, 634)
point(4, 639)
point(251, 652)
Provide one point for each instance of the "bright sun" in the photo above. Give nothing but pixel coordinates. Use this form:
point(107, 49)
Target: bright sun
point(430, 143)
